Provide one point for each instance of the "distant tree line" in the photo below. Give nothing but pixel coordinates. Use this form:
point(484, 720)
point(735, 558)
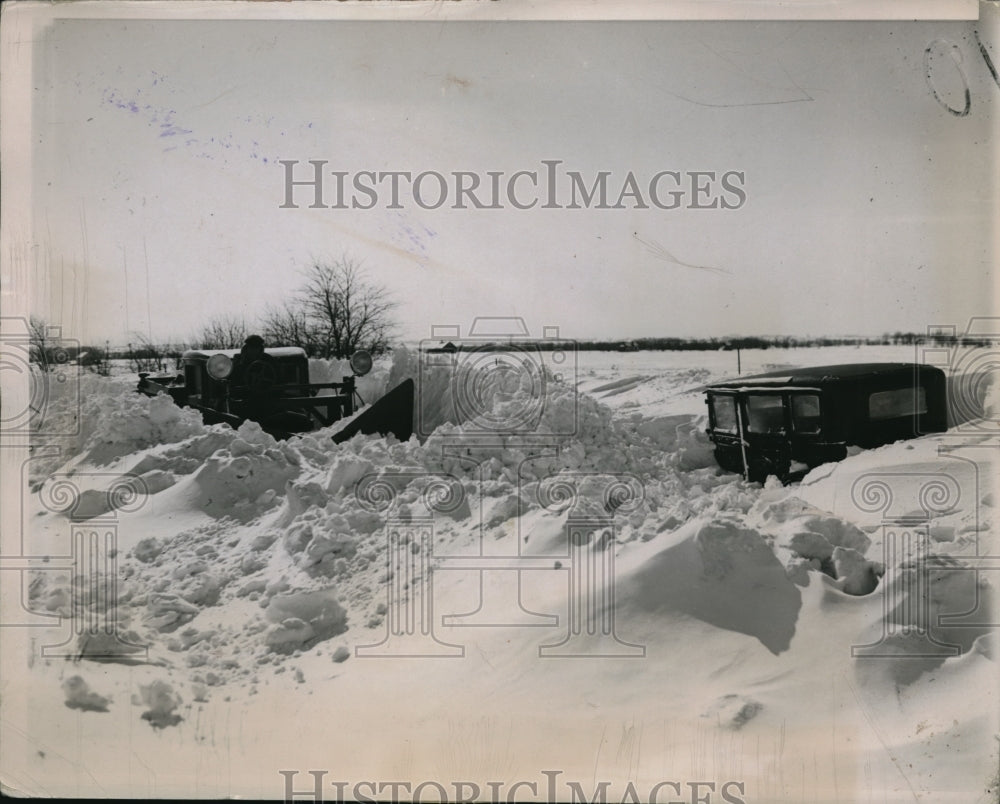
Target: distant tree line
point(675, 344)
point(338, 310)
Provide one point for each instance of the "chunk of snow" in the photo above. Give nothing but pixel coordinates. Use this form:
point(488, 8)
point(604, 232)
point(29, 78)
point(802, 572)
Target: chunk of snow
point(80, 696)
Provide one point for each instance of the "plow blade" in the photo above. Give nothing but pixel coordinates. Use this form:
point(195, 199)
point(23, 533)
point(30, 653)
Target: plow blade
point(392, 414)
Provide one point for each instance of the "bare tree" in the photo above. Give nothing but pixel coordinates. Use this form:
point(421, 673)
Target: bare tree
point(336, 312)
point(144, 355)
point(349, 311)
point(38, 340)
point(222, 332)
point(288, 325)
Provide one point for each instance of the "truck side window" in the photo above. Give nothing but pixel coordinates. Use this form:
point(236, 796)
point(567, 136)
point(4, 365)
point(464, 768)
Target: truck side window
point(805, 413)
point(766, 413)
point(897, 403)
point(724, 413)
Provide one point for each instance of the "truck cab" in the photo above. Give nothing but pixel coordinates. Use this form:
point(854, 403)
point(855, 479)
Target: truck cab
point(783, 423)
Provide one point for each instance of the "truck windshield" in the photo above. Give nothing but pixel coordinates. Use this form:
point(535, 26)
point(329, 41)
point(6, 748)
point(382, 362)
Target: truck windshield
point(765, 413)
point(805, 413)
point(724, 413)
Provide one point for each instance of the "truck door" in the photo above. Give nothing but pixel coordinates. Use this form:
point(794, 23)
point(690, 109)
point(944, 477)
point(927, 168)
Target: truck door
point(726, 431)
point(810, 444)
point(806, 425)
point(767, 435)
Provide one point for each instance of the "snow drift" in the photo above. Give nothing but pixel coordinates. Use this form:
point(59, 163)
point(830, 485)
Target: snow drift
point(250, 560)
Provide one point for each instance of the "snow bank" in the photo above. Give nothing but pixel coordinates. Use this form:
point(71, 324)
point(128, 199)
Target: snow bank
point(304, 617)
point(285, 527)
point(811, 539)
point(247, 476)
point(254, 558)
point(723, 574)
point(117, 424)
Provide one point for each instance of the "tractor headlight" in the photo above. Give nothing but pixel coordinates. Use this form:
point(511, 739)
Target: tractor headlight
point(361, 362)
point(219, 367)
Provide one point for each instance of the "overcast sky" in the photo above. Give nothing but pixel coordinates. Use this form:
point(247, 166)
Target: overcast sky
point(868, 206)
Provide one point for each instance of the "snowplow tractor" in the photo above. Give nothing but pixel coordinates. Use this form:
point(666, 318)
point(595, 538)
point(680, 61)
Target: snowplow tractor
point(271, 387)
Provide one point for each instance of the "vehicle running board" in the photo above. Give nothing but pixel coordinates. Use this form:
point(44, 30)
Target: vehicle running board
point(392, 414)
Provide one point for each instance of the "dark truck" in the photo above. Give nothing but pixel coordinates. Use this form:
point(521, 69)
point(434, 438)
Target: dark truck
point(272, 387)
point(786, 422)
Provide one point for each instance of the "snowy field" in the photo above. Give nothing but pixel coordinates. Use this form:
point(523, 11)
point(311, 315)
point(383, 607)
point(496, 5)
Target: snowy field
point(597, 614)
